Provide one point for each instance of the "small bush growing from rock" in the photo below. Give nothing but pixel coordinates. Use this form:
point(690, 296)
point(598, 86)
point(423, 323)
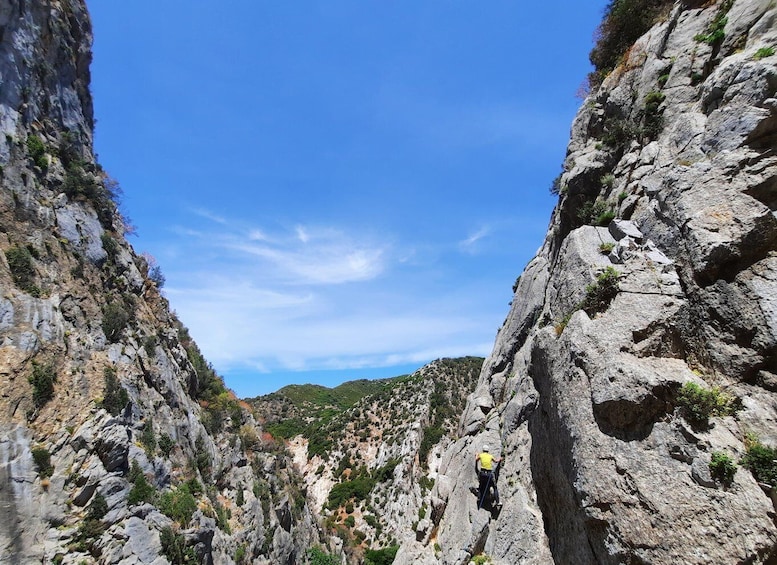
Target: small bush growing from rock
point(222, 516)
point(22, 269)
point(606, 247)
point(763, 52)
point(178, 504)
point(624, 22)
point(561, 325)
point(653, 100)
point(597, 213)
point(156, 276)
point(110, 246)
point(115, 319)
point(98, 508)
point(652, 115)
point(37, 151)
point(240, 554)
point(91, 528)
point(722, 468)
point(79, 184)
point(556, 187)
point(141, 490)
point(700, 404)
point(604, 218)
point(175, 549)
point(166, 444)
point(600, 293)
point(115, 397)
point(147, 436)
point(42, 459)
point(762, 462)
point(42, 380)
point(194, 487)
point(715, 31)
point(319, 557)
point(201, 458)
point(425, 483)
point(619, 132)
point(383, 556)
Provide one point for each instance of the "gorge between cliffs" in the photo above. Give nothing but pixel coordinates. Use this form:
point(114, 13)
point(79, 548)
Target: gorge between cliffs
point(631, 390)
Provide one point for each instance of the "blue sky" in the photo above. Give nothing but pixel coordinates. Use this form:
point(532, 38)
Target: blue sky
point(337, 189)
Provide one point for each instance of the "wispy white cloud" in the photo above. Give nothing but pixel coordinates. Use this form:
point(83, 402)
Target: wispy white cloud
point(309, 298)
point(320, 262)
point(302, 234)
point(468, 245)
point(208, 215)
point(299, 256)
point(256, 235)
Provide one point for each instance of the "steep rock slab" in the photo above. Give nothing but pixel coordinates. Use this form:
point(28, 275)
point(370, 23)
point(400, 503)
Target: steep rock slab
point(601, 464)
point(107, 409)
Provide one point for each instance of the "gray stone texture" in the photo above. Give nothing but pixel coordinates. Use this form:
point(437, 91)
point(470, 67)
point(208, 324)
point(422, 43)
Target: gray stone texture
point(600, 465)
point(82, 263)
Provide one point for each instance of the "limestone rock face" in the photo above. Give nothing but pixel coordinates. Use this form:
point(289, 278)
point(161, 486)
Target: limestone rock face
point(600, 462)
point(108, 411)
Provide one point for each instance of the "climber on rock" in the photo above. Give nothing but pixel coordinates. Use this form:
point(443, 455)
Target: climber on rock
point(487, 469)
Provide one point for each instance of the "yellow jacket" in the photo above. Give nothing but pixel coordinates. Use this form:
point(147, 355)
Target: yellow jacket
point(486, 461)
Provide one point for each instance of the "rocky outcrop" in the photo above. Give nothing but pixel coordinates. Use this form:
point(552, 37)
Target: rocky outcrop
point(602, 460)
point(368, 471)
point(118, 442)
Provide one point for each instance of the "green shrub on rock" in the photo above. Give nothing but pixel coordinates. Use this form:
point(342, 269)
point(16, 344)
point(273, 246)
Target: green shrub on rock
point(115, 397)
point(722, 468)
point(42, 380)
point(762, 462)
point(115, 319)
point(37, 151)
point(715, 31)
point(700, 404)
point(178, 504)
point(42, 459)
point(624, 22)
point(319, 557)
point(142, 491)
point(383, 556)
point(175, 549)
point(22, 269)
point(601, 292)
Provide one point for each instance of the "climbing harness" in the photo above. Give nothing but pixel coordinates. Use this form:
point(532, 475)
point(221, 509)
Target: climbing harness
point(485, 490)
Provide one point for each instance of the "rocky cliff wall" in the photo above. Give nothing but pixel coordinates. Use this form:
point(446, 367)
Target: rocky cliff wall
point(658, 270)
point(118, 443)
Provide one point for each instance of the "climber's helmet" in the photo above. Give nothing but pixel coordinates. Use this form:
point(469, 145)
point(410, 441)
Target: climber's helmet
point(485, 448)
